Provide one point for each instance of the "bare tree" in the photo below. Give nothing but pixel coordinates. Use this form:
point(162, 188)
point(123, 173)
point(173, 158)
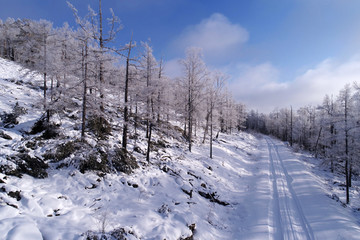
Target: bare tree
point(215, 85)
point(345, 101)
point(148, 67)
point(195, 74)
point(126, 92)
point(97, 32)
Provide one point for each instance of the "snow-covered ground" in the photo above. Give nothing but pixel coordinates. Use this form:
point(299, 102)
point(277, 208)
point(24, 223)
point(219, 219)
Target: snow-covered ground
point(255, 187)
point(271, 195)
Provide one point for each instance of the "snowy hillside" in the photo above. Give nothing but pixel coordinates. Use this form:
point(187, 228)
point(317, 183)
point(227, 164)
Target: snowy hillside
point(18, 87)
point(255, 187)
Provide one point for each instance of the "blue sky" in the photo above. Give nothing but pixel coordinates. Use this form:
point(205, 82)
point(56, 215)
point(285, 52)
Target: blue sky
point(276, 53)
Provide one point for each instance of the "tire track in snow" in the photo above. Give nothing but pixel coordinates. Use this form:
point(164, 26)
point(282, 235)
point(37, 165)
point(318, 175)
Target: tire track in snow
point(289, 219)
point(278, 234)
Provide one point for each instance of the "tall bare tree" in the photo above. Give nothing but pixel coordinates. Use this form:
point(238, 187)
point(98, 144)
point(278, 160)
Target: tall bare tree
point(126, 92)
point(195, 73)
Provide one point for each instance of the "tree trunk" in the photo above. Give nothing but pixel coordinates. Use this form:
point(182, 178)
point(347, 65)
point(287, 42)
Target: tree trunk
point(195, 126)
point(45, 80)
point(51, 89)
point(126, 114)
point(190, 135)
point(347, 153)
point(211, 132)
point(149, 99)
point(159, 91)
point(350, 172)
point(317, 142)
point(291, 126)
point(84, 65)
point(347, 180)
point(149, 144)
point(147, 128)
point(332, 144)
point(158, 108)
point(206, 126)
point(101, 67)
point(136, 119)
point(190, 113)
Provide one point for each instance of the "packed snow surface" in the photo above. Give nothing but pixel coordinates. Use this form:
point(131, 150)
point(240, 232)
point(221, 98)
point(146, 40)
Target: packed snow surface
point(255, 187)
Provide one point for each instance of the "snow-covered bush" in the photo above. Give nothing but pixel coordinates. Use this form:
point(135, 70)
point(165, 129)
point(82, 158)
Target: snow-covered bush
point(100, 127)
point(49, 130)
point(11, 119)
point(123, 161)
point(28, 165)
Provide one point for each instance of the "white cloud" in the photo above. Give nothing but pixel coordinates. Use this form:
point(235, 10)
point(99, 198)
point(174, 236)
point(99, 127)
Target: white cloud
point(328, 77)
point(216, 35)
point(173, 68)
point(260, 88)
point(256, 86)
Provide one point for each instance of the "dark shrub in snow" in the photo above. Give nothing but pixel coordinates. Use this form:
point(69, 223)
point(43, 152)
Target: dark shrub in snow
point(65, 150)
point(10, 119)
point(6, 169)
point(39, 126)
point(116, 234)
point(123, 161)
point(49, 130)
point(95, 162)
point(5, 136)
point(100, 127)
point(28, 165)
point(15, 195)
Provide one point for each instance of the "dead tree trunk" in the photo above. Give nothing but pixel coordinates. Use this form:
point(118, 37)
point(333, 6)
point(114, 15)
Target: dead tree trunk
point(101, 63)
point(211, 132)
point(126, 114)
point(149, 144)
point(84, 77)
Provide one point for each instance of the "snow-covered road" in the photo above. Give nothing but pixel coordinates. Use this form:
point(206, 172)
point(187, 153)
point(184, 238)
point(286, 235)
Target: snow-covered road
point(298, 207)
point(288, 219)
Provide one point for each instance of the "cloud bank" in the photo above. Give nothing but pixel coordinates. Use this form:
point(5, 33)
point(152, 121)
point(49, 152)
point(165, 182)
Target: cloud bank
point(259, 86)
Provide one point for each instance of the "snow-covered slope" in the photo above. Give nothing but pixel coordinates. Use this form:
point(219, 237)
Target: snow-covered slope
point(254, 188)
point(17, 86)
point(156, 202)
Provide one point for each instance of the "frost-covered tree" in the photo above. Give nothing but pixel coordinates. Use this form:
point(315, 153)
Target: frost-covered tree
point(241, 114)
point(35, 51)
point(192, 83)
point(327, 132)
point(126, 93)
point(345, 125)
point(148, 71)
point(9, 29)
point(97, 30)
point(214, 87)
